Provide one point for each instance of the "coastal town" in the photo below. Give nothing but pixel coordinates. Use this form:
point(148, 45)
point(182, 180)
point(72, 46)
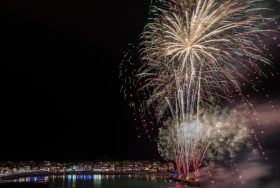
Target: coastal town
point(15, 169)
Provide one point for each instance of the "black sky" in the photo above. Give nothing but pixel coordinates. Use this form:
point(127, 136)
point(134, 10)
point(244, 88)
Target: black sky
point(61, 93)
point(59, 81)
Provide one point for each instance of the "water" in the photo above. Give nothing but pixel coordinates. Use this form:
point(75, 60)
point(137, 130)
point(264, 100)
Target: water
point(222, 180)
point(102, 181)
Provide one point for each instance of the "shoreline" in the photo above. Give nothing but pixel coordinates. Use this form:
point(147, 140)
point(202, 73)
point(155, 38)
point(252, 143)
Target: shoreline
point(161, 175)
point(153, 175)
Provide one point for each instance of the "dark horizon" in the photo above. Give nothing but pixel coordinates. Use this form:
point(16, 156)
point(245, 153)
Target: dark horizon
point(61, 86)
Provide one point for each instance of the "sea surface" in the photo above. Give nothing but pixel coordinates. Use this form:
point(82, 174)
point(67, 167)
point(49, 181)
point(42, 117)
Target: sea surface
point(222, 180)
point(103, 181)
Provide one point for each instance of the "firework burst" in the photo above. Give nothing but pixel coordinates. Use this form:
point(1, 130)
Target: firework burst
point(198, 50)
point(195, 55)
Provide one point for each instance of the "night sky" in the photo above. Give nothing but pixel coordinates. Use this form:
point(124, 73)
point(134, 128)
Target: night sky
point(61, 90)
point(60, 81)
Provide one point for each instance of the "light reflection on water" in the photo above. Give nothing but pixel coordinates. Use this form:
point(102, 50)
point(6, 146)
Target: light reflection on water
point(102, 181)
point(32, 179)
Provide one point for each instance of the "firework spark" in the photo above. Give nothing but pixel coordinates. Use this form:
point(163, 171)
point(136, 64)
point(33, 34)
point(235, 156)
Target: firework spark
point(198, 50)
point(195, 55)
point(215, 137)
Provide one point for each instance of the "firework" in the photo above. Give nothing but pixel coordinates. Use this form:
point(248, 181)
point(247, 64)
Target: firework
point(200, 50)
point(214, 137)
point(195, 55)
